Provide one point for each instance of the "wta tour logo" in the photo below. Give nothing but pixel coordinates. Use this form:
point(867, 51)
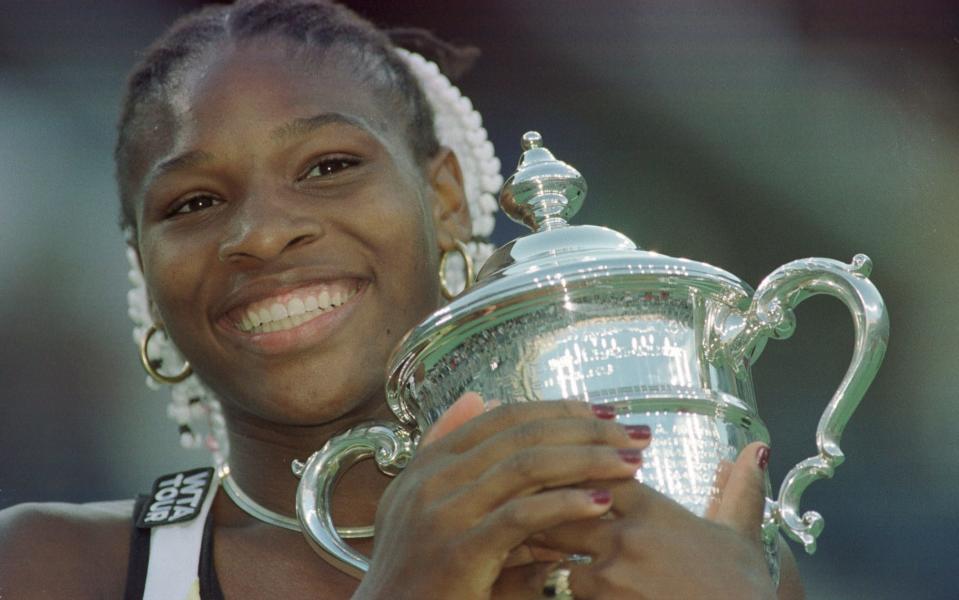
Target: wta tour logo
point(176, 498)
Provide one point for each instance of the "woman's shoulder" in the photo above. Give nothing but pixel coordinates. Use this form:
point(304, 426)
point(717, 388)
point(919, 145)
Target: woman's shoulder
point(60, 550)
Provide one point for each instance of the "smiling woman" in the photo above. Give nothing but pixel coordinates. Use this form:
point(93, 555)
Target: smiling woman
point(288, 202)
point(293, 203)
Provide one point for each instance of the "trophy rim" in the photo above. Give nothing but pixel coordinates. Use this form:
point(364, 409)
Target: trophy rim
point(524, 286)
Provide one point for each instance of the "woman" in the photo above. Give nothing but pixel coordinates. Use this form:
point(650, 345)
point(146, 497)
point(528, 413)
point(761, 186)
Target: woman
point(288, 204)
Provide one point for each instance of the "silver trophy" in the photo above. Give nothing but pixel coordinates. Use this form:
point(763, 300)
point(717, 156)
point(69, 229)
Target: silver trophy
point(579, 312)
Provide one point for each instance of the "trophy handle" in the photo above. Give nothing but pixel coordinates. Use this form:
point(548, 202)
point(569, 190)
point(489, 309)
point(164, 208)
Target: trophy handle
point(771, 316)
point(388, 443)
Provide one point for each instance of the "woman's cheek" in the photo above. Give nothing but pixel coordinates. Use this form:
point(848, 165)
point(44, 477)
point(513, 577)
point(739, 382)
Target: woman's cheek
point(174, 272)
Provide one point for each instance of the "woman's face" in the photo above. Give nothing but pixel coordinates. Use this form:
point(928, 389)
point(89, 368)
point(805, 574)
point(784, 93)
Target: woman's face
point(287, 234)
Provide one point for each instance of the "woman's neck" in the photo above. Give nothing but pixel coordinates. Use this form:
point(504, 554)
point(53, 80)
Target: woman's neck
point(262, 452)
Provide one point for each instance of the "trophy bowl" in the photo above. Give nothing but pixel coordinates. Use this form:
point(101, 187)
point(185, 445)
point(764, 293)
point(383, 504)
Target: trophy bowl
point(580, 313)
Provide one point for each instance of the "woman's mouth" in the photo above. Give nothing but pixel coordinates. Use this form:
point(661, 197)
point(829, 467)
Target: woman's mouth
point(294, 308)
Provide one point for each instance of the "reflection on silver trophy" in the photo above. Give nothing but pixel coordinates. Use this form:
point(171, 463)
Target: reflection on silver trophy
point(579, 312)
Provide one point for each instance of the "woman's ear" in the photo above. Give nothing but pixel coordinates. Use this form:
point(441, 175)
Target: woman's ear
point(450, 208)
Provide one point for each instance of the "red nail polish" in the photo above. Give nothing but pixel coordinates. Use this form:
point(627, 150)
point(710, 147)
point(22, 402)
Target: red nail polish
point(604, 411)
point(762, 457)
point(602, 497)
point(633, 456)
point(639, 432)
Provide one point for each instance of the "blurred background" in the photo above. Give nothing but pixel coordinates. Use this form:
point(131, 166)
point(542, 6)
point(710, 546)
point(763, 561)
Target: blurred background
point(744, 134)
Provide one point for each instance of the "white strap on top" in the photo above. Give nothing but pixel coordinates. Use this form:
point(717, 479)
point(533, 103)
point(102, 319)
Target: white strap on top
point(172, 572)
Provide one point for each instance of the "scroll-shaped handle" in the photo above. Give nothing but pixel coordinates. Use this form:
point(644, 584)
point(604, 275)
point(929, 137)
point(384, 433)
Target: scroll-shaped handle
point(771, 315)
point(388, 443)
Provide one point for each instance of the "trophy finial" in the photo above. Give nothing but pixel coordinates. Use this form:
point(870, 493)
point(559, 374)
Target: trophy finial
point(532, 139)
point(544, 192)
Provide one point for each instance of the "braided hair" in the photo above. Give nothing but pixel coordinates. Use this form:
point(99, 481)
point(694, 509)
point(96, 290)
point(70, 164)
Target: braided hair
point(311, 25)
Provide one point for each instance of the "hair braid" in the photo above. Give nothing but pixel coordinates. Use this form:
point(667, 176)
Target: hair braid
point(311, 25)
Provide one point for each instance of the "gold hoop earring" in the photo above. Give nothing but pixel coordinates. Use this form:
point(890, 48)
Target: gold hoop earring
point(463, 251)
point(152, 370)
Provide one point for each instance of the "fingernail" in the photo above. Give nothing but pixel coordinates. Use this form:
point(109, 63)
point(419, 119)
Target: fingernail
point(639, 432)
point(762, 457)
point(602, 497)
point(603, 411)
point(633, 456)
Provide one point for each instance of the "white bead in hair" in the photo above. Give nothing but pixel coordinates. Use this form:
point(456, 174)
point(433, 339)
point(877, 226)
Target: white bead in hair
point(459, 127)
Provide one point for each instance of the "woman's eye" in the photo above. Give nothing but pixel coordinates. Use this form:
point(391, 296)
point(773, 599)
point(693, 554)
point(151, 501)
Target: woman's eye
point(331, 166)
point(195, 204)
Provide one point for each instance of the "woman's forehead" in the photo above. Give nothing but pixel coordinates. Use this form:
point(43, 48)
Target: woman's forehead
point(265, 85)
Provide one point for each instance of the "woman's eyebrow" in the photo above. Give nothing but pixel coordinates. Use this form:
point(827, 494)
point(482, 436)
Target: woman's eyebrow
point(304, 126)
point(295, 128)
point(185, 160)
point(182, 161)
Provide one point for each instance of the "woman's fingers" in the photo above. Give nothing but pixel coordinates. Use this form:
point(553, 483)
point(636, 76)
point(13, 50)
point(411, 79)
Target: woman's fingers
point(517, 457)
point(597, 537)
point(636, 503)
point(743, 499)
point(526, 554)
point(740, 506)
point(562, 430)
point(587, 539)
point(511, 524)
point(468, 406)
point(653, 547)
point(530, 470)
point(722, 476)
point(510, 448)
point(504, 417)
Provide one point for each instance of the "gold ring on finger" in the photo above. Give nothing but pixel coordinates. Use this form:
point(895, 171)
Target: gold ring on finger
point(557, 585)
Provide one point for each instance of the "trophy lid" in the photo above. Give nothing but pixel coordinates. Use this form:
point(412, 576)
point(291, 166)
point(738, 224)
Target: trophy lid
point(549, 265)
point(543, 194)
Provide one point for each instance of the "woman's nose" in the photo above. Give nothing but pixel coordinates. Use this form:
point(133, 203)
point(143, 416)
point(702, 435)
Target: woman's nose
point(263, 229)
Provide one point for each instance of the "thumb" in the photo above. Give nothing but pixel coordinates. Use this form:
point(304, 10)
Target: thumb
point(466, 407)
point(743, 497)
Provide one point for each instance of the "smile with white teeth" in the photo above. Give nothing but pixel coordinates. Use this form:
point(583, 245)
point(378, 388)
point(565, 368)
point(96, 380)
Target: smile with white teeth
point(293, 308)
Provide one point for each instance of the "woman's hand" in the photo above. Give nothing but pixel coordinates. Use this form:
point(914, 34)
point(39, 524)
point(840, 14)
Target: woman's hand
point(655, 548)
point(483, 484)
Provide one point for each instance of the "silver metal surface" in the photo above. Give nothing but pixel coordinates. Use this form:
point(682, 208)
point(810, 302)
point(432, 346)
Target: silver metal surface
point(771, 316)
point(578, 312)
point(388, 443)
point(264, 514)
point(543, 193)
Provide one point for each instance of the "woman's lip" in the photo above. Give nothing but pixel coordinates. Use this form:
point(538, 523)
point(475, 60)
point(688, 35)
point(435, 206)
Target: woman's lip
point(302, 336)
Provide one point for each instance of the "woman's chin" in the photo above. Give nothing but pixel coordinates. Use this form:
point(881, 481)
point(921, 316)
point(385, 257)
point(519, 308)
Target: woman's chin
point(303, 409)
